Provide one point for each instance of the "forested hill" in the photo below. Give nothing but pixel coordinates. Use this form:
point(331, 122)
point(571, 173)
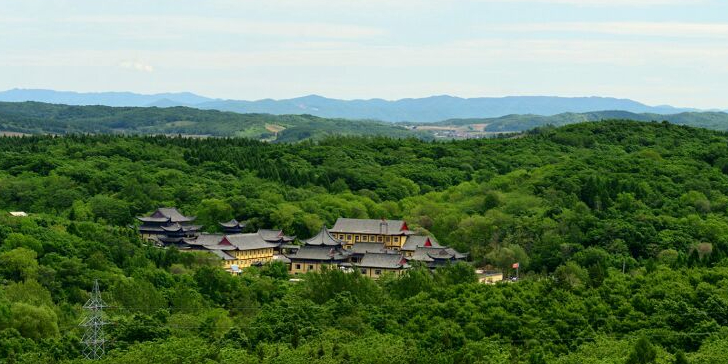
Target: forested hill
point(40, 118)
point(518, 123)
point(620, 229)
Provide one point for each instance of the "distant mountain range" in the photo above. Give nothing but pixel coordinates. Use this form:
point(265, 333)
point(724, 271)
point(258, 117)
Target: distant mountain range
point(429, 109)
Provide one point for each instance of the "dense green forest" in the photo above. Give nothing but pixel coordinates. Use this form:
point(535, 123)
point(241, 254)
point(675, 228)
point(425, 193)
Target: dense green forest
point(41, 118)
point(620, 229)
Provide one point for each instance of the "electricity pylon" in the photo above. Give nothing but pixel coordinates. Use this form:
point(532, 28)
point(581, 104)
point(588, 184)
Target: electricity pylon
point(93, 338)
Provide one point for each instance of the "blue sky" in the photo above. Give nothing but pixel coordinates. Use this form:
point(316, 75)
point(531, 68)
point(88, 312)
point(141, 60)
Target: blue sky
point(655, 51)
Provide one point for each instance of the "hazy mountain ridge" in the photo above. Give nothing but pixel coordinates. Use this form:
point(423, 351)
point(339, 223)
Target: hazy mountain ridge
point(428, 109)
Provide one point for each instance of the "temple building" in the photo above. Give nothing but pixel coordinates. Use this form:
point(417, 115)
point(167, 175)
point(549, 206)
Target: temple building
point(373, 265)
point(322, 249)
point(364, 236)
point(237, 251)
point(167, 225)
point(392, 234)
point(434, 257)
point(359, 250)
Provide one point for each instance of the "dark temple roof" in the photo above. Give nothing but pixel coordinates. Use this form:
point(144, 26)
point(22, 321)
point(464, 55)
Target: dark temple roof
point(232, 224)
point(221, 254)
point(248, 241)
point(164, 214)
point(370, 226)
point(361, 248)
point(416, 241)
point(383, 260)
point(176, 227)
point(324, 238)
point(275, 235)
point(205, 240)
point(431, 254)
point(321, 253)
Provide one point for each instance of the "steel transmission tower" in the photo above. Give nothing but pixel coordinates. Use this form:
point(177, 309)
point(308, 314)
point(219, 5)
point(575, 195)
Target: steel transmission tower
point(94, 323)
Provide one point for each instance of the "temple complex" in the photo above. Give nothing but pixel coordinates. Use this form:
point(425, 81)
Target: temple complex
point(167, 225)
point(369, 246)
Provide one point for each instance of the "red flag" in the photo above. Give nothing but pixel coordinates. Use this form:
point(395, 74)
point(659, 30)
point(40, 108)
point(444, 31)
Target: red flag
point(515, 265)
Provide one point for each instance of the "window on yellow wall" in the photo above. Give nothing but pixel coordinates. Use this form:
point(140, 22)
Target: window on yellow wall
point(310, 267)
point(348, 237)
point(396, 239)
point(364, 238)
point(372, 238)
point(389, 239)
point(298, 266)
point(356, 237)
point(380, 238)
point(377, 271)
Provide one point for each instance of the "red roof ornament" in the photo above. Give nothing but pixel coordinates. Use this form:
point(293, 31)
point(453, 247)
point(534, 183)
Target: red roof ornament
point(427, 242)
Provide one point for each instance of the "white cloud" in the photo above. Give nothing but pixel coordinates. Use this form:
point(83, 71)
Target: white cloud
point(136, 66)
point(478, 52)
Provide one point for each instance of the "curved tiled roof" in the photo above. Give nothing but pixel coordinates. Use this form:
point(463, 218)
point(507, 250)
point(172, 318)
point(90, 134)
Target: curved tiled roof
point(361, 248)
point(232, 224)
point(427, 254)
point(416, 241)
point(324, 238)
point(322, 253)
point(173, 214)
point(383, 260)
point(248, 241)
point(166, 214)
point(275, 235)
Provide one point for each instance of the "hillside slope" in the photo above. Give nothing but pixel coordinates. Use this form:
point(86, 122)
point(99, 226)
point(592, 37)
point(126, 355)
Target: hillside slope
point(517, 123)
point(620, 230)
point(38, 118)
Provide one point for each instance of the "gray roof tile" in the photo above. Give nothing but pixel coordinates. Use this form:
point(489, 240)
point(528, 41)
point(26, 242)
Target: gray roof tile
point(370, 226)
point(323, 253)
point(361, 248)
point(248, 241)
point(415, 241)
point(383, 260)
point(324, 238)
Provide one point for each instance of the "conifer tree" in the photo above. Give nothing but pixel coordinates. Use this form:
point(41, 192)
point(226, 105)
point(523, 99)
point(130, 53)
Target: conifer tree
point(642, 353)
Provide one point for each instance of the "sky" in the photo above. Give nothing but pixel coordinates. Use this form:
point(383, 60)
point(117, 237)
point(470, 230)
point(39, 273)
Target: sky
point(654, 51)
